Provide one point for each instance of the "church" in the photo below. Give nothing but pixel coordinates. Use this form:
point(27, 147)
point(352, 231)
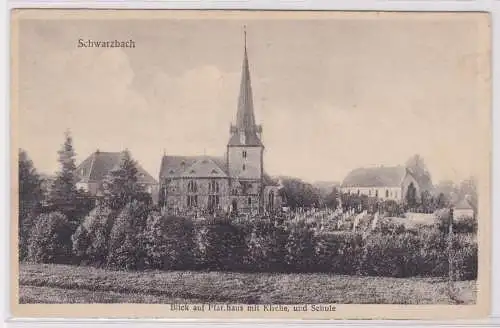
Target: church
point(235, 182)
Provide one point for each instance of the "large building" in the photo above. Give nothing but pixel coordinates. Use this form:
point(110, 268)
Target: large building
point(386, 183)
point(233, 182)
point(94, 169)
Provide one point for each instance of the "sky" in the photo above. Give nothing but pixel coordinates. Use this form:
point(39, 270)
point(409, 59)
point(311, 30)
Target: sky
point(331, 94)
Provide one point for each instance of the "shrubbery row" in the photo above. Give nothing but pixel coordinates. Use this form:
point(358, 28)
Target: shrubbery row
point(138, 238)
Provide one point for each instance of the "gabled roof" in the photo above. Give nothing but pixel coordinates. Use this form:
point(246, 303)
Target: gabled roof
point(463, 205)
point(98, 165)
point(382, 176)
point(203, 166)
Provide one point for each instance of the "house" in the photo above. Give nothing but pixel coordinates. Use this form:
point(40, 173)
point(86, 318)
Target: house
point(235, 181)
point(463, 209)
point(94, 169)
point(386, 182)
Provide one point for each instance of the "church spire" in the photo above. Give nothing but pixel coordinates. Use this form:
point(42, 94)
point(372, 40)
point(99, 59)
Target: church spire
point(245, 119)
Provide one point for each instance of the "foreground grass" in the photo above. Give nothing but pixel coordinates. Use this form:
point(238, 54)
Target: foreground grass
point(47, 283)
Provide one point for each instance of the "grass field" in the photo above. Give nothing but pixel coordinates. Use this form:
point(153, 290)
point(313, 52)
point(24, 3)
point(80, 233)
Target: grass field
point(47, 283)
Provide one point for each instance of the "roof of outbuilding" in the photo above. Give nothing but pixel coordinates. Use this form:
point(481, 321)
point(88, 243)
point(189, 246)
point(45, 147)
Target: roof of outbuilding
point(98, 165)
point(382, 176)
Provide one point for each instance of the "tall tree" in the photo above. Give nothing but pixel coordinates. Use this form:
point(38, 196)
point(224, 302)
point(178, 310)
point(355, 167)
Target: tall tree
point(411, 196)
point(30, 197)
point(63, 194)
point(121, 184)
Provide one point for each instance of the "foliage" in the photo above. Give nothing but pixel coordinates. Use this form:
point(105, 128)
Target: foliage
point(332, 199)
point(63, 194)
point(50, 239)
point(30, 197)
point(121, 184)
point(299, 194)
point(167, 242)
point(90, 240)
point(123, 247)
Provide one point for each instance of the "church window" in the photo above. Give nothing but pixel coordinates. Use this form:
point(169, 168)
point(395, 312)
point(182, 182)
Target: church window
point(249, 201)
point(192, 200)
point(369, 192)
point(213, 201)
point(244, 167)
point(376, 193)
point(386, 193)
point(244, 154)
point(192, 186)
point(213, 186)
point(358, 192)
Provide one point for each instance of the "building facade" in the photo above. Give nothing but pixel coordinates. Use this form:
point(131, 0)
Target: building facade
point(234, 182)
point(386, 183)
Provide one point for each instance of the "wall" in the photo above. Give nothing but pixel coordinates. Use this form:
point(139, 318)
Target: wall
point(252, 162)
point(177, 192)
point(394, 192)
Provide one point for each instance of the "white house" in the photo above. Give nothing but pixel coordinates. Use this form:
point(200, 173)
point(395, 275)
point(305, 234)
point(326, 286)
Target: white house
point(385, 182)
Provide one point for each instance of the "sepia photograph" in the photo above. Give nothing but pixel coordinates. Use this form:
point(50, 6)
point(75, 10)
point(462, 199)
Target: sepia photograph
point(251, 164)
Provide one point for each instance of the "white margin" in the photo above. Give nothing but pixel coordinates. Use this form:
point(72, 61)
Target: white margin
point(492, 6)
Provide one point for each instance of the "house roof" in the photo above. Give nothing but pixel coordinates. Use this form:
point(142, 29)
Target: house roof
point(463, 205)
point(383, 176)
point(99, 164)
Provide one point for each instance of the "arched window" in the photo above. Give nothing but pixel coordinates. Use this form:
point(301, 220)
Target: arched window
point(271, 199)
point(358, 192)
point(244, 167)
point(249, 201)
point(386, 193)
point(213, 186)
point(192, 186)
point(376, 193)
point(244, 154)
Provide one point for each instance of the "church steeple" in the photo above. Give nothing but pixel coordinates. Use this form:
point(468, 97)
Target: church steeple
point(245, 119)
point(245, 132)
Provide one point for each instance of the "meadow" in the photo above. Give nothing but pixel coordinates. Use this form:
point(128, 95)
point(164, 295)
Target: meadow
point(54, 283)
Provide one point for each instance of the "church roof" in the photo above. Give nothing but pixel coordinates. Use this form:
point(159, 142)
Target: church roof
point(99, 164)
point(193, 166)
point(383, 176)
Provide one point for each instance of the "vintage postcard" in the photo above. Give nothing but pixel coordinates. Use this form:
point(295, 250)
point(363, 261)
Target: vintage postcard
point(239, 165)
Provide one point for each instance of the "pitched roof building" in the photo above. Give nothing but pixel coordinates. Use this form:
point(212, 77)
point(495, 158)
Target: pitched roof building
point(94, 169)
point(233, 182)
point(386, 182)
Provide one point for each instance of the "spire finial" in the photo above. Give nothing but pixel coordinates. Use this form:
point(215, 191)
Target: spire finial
point(245, 35)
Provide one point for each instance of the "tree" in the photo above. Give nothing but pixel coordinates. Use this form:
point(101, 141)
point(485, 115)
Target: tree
point(411, 196)
point(90, 240)
point(300, 194)
point(30, 197)
point(50, 239)
point(121, 185)
point(64, 196)
point(124, 247)
point(331, 200)
point(417, 165)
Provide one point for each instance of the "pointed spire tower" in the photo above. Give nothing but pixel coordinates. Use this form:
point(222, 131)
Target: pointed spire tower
point(245, 132)
point(245, 149)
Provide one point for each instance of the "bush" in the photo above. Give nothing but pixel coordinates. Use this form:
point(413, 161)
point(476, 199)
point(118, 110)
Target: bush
point(124, 251)
point(168, 242)
point(50, 240)
point(90, 240)
point(300, 246)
